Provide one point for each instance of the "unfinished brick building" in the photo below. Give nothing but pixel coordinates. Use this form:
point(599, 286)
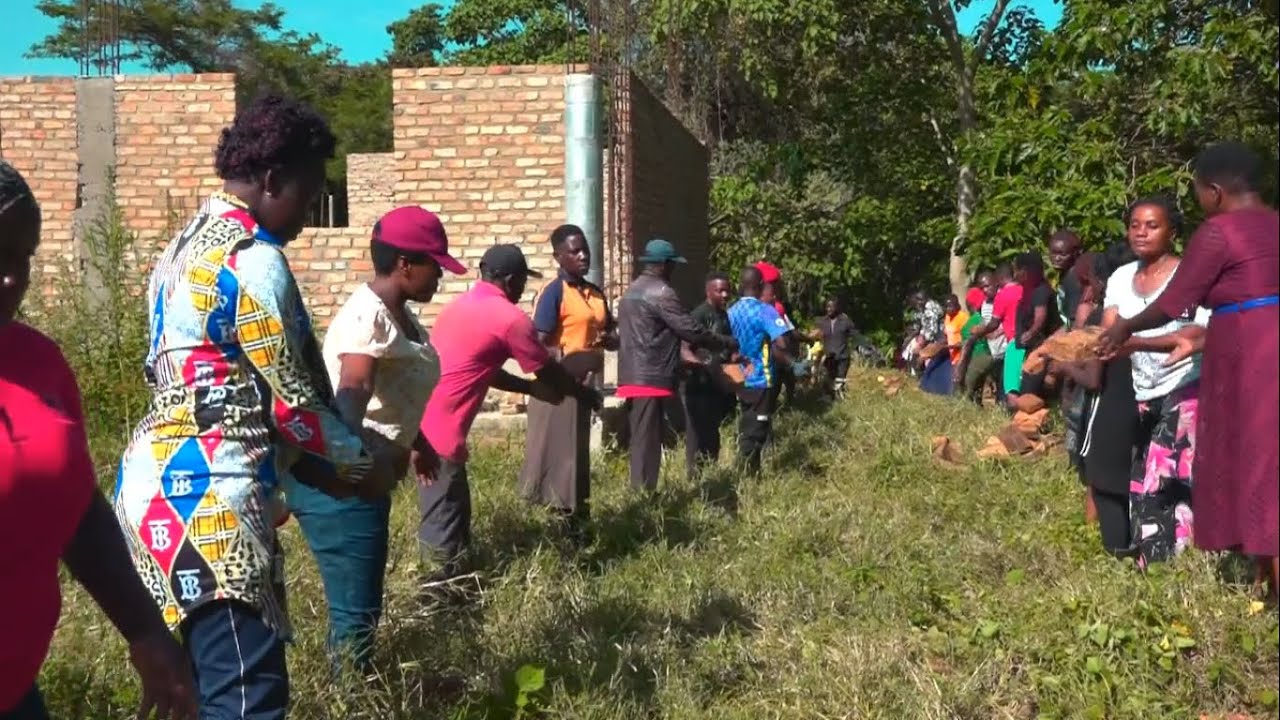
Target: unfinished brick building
point(483, 147)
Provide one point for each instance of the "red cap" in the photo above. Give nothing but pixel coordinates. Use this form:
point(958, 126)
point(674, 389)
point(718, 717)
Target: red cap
point(768, 273)
point(416, 230)
point(975, 298)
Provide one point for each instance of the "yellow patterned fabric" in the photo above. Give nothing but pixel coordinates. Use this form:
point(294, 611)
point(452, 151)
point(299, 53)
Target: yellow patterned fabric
point(240, 396)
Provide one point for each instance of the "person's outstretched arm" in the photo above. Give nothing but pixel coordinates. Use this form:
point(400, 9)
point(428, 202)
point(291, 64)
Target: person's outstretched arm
point(99, 560)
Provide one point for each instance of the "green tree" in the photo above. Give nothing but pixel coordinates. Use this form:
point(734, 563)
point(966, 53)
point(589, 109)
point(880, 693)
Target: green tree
point(965, 58)
point(1114, 105)
point(418, 40)
point(512, 32)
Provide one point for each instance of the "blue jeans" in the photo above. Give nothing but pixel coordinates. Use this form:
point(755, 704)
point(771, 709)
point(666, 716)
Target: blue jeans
point(348, 538)
point(30, 707)
point(238, 662)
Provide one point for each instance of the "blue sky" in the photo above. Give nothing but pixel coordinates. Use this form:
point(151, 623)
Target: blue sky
point(358, 28)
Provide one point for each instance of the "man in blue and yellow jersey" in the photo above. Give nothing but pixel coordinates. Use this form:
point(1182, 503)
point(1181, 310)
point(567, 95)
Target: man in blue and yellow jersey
point(761, 334)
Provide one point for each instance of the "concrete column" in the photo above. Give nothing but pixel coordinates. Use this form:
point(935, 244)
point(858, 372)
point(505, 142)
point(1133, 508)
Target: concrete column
point(96, 148)
point(583, 165)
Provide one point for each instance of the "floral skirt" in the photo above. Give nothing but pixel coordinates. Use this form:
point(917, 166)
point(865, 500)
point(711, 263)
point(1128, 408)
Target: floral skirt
point(1160, 481)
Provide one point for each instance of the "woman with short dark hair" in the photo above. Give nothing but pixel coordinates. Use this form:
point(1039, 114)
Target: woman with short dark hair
point(1165, 388)
point(574, 322)
point(241, 401)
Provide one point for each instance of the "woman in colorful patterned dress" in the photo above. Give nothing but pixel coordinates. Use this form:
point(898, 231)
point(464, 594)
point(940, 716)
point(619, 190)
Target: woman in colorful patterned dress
point(1167, 393)
point(240, 400)
point(1232, 265)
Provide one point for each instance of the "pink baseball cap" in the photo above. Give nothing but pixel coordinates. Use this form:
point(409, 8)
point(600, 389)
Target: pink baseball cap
point(768, 273)
point(416, 230)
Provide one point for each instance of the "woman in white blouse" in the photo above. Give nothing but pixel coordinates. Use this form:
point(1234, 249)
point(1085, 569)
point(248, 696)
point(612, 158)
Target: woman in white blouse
point(1166, 393)
point(383, 369)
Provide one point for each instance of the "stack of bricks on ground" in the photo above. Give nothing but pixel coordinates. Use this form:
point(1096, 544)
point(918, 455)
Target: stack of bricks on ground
point(483, 147)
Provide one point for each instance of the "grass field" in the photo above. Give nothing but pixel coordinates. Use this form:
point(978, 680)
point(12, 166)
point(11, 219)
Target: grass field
point(857, 579)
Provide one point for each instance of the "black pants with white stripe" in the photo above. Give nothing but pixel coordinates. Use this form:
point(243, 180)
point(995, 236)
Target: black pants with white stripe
point(755, 426)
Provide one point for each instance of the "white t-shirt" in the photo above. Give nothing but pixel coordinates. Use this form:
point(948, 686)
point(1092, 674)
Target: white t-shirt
point(406, 371)
point(996, 341)
point(1151, 379)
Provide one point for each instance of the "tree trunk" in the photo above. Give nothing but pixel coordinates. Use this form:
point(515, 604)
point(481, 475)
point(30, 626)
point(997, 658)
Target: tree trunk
point(966, 188)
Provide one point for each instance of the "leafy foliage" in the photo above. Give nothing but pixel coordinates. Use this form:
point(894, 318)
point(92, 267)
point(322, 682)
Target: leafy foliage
point(1113, 105)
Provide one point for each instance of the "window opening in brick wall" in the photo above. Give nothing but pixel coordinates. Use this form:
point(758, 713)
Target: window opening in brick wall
point(330, 208)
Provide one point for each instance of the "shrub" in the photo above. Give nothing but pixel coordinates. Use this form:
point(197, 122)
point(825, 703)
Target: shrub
point(102, 329)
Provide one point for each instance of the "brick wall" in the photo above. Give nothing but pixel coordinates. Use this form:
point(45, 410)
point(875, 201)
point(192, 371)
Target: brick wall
point(371, 187)
point(38, 137)
point(483, 148)
point(167, 128)
point(329, 263)
point(669, 188)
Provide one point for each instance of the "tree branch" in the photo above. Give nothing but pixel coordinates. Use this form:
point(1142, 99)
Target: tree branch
point(945, 18)
point(943, 145)
point(989, 29)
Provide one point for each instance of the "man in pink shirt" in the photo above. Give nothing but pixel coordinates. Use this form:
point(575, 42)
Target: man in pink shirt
point(475, 335)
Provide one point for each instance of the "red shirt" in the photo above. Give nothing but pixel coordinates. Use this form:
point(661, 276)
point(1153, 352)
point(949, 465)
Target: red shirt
point(1005, 307)
point(474, 335)
point(46, 482)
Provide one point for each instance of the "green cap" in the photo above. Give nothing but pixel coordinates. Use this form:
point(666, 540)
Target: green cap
point(658, 251)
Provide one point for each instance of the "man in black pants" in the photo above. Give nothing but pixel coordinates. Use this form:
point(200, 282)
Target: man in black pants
point(651, 325)
point(762, 339)
point(475, 335)
point(838, 334)
point(706, 399)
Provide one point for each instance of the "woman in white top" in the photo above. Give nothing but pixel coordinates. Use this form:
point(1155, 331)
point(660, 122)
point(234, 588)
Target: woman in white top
point(383, 369)
point(1167, 394)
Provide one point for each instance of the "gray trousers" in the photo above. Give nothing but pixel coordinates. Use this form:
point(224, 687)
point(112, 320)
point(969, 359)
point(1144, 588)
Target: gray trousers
point(445, 530)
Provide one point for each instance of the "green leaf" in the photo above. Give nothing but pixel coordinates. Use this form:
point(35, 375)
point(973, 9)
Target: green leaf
point(1267, 698)
point(1093, 665)
point(530, 679)
point(1015, 576)
point(1100, 634)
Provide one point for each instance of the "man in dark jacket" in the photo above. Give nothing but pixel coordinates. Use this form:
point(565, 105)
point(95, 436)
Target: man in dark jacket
point(707, 400)
point(651, 325)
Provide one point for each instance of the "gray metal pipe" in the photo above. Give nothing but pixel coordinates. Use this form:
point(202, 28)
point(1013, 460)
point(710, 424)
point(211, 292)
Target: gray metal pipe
point(584, 165)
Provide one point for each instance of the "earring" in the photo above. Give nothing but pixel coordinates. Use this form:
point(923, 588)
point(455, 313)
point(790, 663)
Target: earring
point(8, 281)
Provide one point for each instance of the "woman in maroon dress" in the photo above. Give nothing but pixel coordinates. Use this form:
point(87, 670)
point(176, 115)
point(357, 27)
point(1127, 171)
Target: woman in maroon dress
point(1232, 265)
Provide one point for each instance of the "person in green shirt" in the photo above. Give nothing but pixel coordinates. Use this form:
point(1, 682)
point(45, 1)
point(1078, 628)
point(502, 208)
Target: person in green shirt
point(976, 362)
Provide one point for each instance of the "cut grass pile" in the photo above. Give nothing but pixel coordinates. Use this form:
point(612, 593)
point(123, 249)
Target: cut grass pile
point(859, 578)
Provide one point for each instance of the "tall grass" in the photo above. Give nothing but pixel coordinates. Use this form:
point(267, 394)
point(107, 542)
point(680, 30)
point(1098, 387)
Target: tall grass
point(102, 330)
point(857, 578)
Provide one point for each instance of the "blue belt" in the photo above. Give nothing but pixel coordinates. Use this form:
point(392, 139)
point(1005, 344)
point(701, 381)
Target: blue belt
point(1257, 302)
